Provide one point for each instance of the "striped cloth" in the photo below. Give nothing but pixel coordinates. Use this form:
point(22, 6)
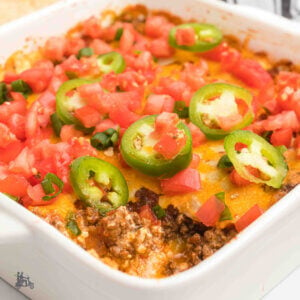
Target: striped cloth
point(287, 8)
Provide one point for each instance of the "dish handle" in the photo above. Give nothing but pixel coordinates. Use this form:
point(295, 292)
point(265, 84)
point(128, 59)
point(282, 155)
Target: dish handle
point(12, 230)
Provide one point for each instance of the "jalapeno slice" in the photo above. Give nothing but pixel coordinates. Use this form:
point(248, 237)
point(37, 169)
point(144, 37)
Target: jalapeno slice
point(98, 183)
point(66, 104)
point(137, 149)
point(111, 62)
point(206, 37)
point(257, 154)
point(215, 109)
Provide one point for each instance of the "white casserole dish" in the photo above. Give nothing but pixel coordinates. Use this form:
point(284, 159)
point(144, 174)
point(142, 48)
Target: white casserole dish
point(247, 268)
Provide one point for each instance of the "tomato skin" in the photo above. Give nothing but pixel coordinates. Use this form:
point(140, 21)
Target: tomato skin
point(9, 77)
point(252, 73)
point(185, 36)
point(185, 181)
point(282, 137)
point(198, 136)
point(11, 151)
point(15, 185)
point(157, 104)
point(210, 212)
point(216, 53)
point(68, 132)
point(88, 116)
point(250, 216)
point(147, 213)
point(230, 59)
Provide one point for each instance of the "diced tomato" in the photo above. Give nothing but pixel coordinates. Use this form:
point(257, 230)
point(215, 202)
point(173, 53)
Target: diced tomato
point(16, 123)
point(37, 78)
point(73, 45)
point(93, 96)
point(185, 181)
point(288, 79)
point(210, 212)
point(88, 116)
point(228, 122)
point(23, 163)
point(81, 147)
point(11, 151)
point(44, 64)
point(127, 40)
point(100, 47)
point(198, 136)
point(195, 161)
point(15, 185)
point(193, 74)
point(230, 59)
point(240, 146)
point(165, 123)
point(216, 53)
point(104, 125)
point(282, 137)
point(157, 26)
point(9, 77)
point(250, 216)
point(6, 136)
point(54, 48)
point(185, 36)
point(36, 193)
point(68, 132)
point(252, 73)
point(284, 120)
point(92, 28)
point(17, 106)
point(147, 213)
point(122, 116)
point(160, 48)
point(168, 146)
point(72, 64)
point(159, 103)
point(237, 179)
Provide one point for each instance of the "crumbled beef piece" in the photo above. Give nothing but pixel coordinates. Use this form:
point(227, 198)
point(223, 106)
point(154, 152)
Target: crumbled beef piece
point(175, 223)
point(144, 197)
point(125, 234)
point(92, 215)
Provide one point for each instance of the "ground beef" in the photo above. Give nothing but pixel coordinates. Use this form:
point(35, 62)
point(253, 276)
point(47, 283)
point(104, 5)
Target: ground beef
point(132, 244)
point(144, 196)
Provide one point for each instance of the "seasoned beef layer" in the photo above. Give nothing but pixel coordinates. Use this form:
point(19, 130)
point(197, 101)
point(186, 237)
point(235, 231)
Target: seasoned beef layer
point(137, 245)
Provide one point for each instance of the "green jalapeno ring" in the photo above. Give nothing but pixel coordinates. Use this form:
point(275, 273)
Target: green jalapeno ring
point(210, 91)
point(275, 159)
point(62, 100)
point(106, 177)
point(154, 164)
point(208, 37)
point(111, 62)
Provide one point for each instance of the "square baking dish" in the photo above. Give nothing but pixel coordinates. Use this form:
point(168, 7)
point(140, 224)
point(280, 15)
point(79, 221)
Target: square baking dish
point(246, 268)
